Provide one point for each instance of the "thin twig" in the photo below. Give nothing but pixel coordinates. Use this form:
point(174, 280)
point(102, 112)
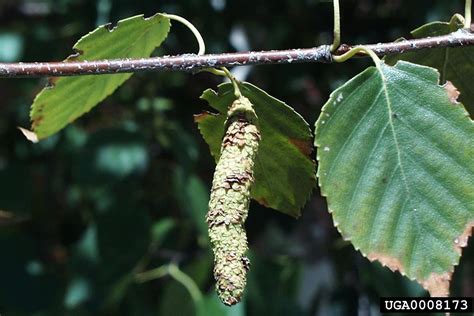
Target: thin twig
point(337, 26)
point(192, 63)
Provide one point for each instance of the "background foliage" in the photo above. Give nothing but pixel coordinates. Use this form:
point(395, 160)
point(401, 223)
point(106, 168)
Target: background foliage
point(125, 189)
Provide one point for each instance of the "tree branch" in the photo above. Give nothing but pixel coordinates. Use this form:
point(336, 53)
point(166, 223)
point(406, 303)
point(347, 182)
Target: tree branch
point(191, 62)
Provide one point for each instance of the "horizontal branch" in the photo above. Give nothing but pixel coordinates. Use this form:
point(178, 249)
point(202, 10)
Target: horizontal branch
point(191, 62)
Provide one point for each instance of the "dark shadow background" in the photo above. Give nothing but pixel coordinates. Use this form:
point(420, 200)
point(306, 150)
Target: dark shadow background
point(125, 188)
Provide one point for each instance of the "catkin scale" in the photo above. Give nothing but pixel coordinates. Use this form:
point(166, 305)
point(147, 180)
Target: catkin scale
point(230, 198)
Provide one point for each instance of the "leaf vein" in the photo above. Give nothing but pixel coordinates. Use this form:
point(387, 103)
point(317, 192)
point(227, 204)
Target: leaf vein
point(433, 145)
point(457, 130)
point(349, 138)
point(348, 97)
point(377, 211)
point(435, 180)
point(362, 173)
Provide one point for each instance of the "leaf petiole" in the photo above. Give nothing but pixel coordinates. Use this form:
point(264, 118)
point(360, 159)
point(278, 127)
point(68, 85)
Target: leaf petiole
point(192, 28)
point(179, 276)
point(224, 72)
point(337, 26)
point(202, 49)
point(356, 50)
point(467, 14)
point(234, 81)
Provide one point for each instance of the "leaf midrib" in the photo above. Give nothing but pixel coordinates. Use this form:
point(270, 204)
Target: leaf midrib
point(409, 199)
point(392, 127)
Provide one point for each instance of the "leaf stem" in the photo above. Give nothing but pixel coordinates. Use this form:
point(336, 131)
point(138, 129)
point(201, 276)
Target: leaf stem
point(356, 50)
point(213, 71)
point(224, 72)
point(178, 275)
point(192, 28)
point(202, 49)
point(186, 281)
point(234, 81)
point(467, 14)
point(152, 274)
point(337, 27)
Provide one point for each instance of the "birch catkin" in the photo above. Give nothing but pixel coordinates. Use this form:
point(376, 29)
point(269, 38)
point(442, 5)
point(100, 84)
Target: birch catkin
point(230, 198)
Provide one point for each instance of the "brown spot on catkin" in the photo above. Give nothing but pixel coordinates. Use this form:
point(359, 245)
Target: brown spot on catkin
point(453, 92)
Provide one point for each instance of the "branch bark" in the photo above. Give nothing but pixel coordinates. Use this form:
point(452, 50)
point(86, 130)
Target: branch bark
point(191, 62)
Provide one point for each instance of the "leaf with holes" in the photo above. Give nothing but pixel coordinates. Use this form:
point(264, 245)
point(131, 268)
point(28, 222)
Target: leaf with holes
point(65, 99)
point(284, 172)
point(395, 163)
point(455, 64)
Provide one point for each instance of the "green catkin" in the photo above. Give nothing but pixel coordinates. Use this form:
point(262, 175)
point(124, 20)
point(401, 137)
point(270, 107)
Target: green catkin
point(230, 198)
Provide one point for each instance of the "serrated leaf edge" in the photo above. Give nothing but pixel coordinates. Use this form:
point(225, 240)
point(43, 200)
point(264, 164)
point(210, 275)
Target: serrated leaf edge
point(51, 80)
point(436, 284)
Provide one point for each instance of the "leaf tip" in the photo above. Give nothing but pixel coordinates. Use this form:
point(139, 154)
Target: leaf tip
point(31, 136)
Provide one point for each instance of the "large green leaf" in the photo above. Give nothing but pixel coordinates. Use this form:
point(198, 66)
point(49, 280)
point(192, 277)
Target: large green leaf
point(284, 171)
point(396, 164)
point(70, 97)
point(455, 64)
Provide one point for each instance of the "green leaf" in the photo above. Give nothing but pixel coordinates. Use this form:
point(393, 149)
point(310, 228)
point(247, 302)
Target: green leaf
point(68, 98)
point(395, 163)
point(455, 64)
point(284, 171)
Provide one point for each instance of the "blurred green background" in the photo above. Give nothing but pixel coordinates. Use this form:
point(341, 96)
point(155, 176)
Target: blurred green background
point(124, 189)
